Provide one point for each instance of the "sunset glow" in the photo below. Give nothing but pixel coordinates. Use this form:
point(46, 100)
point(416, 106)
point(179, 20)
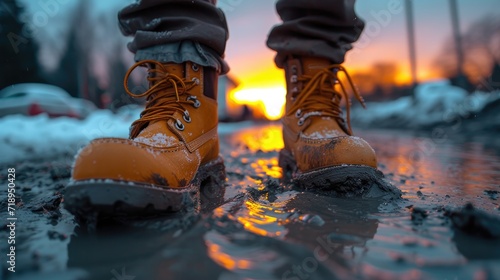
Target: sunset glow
point(264, 91)
point(262, 87)
point(268, 101)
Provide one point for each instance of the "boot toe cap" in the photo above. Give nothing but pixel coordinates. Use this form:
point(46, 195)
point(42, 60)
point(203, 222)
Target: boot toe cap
point(126, 160)
point(346, 150)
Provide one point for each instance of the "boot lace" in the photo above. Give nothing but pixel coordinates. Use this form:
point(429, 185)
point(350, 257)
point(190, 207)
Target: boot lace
point(319, 97)
point(164, 97)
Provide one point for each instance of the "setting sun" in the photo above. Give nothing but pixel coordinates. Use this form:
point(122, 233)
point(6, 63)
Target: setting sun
point(268, 101)
point(262, 89)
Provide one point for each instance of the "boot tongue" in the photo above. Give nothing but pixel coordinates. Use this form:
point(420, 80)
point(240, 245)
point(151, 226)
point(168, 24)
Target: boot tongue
point(320, 127)
point(311, 65)
point(170, 68)
point(157, 133)
point(175, 69)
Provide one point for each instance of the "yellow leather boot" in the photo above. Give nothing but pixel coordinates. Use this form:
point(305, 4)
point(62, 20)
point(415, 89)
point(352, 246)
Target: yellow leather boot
point(320, 151)
point(172, 151)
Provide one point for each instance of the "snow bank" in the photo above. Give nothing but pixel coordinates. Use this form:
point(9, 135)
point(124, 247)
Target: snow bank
point(23, 137)
point(435, 103)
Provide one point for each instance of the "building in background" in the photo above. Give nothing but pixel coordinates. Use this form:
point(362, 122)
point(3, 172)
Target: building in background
point(229, 110)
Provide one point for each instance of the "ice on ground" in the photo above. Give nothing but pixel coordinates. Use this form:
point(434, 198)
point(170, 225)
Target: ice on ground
point(435, 103)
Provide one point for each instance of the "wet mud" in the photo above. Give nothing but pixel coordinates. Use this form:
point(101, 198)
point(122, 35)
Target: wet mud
point(438, 219)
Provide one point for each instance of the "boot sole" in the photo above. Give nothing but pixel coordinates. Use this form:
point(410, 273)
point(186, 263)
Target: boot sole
point(340, 181)
point(111, 198)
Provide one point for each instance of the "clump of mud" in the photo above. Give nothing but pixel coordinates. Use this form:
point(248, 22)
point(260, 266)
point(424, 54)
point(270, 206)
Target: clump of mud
point(46, 203)
point(418, 215)
point(353, 189)
point(493, 195)
point(474, 221)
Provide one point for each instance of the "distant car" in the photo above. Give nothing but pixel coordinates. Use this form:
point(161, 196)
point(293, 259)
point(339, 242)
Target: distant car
point(32, 99)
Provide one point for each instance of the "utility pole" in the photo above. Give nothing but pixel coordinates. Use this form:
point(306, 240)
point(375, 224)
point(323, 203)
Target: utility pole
point(461, 79)
point(411, 44)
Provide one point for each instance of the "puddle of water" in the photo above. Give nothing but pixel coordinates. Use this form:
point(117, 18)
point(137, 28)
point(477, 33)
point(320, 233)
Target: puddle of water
point(267, 230)
point(382, 240)
point(449, 171)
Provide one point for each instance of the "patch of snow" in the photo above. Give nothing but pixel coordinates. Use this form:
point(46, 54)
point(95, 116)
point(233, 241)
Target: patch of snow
point(435, 103)
point(153, 152)
point(357, 141)
point(325, 134)
point(197, 153)
point(24, 137)
point(186, 153)
point(152, 24)
point(159, 139)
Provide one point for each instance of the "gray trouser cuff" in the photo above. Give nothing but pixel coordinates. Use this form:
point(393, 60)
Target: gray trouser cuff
point(180, 52)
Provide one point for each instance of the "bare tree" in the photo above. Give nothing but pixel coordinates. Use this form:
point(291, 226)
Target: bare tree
point(481, 44)
point(73, 72)
point(18, 54)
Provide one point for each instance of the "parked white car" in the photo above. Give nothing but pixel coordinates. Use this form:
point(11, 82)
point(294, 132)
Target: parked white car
point(33, 98)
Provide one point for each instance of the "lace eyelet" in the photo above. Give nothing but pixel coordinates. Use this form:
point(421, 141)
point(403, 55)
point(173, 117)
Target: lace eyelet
point(186, 117)
point(293, 79)
point(196, 103)
point(196, 80)
point(195, 67)
point(301, 122)
point(179, 125)
point(294, 69)
point(298, 113)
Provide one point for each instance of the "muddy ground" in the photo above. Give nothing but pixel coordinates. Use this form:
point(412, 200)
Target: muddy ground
point(445, 225)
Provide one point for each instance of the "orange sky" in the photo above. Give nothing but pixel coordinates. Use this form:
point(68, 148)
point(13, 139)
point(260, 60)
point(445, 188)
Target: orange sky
point(384, 39)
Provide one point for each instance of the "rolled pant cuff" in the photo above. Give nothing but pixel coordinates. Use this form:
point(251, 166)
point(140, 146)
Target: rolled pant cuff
point(181, 52)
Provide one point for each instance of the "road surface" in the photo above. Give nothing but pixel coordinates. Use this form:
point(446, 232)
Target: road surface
point(445, 225)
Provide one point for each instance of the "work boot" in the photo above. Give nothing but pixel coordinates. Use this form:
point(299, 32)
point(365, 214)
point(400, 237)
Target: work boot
point(172, 151)
point(320, 150)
